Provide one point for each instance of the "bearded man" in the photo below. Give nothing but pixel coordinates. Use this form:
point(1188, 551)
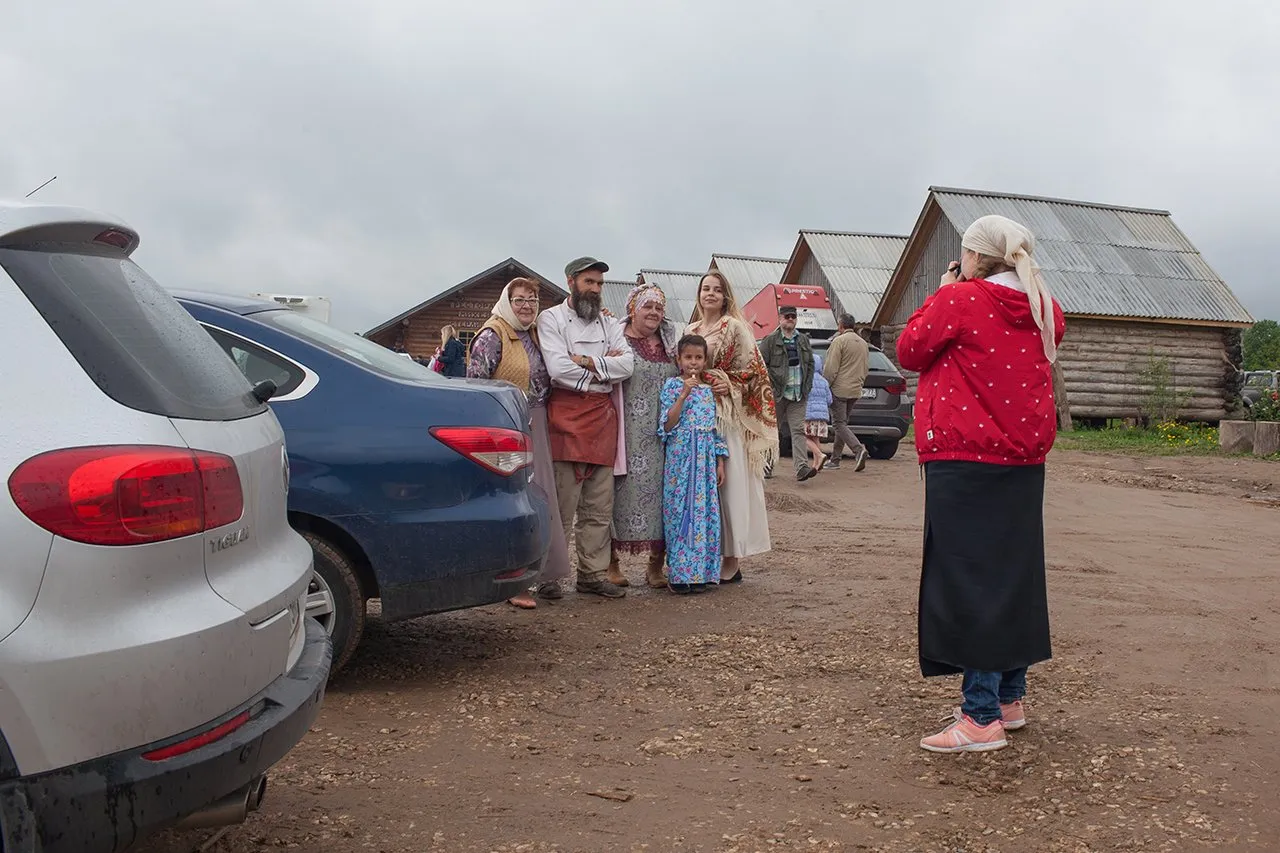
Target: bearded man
point(587, 356)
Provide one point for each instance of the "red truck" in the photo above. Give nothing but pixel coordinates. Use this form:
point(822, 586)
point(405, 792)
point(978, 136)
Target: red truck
point(813, 310)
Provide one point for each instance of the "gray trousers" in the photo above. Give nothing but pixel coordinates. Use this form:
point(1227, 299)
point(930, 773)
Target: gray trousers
point(791, 413)
point(840, 407)
point(586, 509)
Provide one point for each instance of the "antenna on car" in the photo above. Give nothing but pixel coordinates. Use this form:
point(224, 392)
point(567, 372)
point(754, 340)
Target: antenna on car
point(42, 186)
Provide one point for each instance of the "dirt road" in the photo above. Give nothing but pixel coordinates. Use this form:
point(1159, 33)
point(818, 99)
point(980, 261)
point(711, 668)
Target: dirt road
point(783, 714)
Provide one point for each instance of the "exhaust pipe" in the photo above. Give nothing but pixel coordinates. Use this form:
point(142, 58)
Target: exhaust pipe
point(231, 809)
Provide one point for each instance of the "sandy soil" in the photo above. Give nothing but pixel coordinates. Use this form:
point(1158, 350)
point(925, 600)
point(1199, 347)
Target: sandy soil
point(784, 714)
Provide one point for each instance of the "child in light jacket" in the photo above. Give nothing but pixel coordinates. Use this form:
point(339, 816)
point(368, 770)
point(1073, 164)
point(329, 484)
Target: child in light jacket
point(816, 414)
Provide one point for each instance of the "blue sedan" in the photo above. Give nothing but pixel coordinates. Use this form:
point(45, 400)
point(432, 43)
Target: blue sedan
point(412, 488)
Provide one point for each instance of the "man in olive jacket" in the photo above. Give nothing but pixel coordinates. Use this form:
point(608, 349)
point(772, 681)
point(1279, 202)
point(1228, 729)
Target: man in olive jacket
point(789, 357)
point(846, 369)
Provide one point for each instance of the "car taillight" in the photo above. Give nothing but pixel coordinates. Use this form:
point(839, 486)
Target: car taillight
point(191, 744)
point(503, 451)
point(128, 495)
point(898, 387)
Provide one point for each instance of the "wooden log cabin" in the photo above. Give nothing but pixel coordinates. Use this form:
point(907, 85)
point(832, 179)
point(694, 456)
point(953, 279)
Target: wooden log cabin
point(853, 268)
point(465, 306)
point(1133, 287)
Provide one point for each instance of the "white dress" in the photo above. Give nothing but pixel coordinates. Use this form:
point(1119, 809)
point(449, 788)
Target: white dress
point(744, 519)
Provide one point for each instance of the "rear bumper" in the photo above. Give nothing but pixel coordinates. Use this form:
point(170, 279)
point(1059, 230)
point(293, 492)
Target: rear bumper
point(109, 803)
point(891, 426)
point(469, 563)
point(481, 552)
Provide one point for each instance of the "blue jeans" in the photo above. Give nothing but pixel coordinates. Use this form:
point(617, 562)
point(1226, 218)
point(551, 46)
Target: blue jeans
point(985, 692)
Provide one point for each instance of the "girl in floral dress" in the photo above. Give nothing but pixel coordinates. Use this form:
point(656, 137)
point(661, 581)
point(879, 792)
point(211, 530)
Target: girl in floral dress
point(692, 474)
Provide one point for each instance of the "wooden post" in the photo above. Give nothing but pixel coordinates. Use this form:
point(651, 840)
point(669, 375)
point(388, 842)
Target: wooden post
point(1060, 399)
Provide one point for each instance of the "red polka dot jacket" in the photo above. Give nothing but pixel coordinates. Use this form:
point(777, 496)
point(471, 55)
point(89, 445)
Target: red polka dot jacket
point(986, 388)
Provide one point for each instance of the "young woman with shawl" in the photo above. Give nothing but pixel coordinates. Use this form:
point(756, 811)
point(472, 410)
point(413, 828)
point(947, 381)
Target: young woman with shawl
point(984, 346)
point(745, 416)
point(637, 497)
point(506, 347)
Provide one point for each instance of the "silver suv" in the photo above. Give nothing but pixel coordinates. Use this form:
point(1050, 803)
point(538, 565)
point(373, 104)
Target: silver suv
point(154, 656)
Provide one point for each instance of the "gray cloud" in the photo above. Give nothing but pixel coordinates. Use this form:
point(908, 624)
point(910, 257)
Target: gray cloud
point(380, 154)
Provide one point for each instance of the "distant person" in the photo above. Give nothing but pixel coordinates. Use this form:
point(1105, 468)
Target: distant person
point(816, 412)
point(847, 365)
point(789, 357)
point(694, 471)
point(985, 419)
point(746, 416)
point(452, 355)
point(586, 356)
point(506, 348)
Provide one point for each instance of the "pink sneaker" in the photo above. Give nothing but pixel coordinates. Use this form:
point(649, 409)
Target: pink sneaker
point(964, 735)
point(1013, 715)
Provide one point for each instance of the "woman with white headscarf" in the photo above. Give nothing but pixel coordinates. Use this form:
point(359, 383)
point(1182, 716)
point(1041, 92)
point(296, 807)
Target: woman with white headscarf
point(506, 347)
point(984, 346)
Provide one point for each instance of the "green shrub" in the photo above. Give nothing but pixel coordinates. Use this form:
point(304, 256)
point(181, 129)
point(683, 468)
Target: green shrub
point(1267, 407)
point(1176, 434)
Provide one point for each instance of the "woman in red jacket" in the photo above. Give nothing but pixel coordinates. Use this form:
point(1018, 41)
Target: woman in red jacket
point(985, 419)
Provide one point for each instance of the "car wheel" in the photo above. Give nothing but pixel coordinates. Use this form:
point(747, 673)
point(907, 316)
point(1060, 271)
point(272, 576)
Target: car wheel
point(335, 600)
point(882, 449)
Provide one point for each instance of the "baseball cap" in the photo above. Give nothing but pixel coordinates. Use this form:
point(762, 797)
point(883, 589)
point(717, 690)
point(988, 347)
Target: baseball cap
point(786, 310)
point(581, 265)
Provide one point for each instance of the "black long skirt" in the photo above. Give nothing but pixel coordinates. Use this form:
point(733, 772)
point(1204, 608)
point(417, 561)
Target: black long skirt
point(983, 603)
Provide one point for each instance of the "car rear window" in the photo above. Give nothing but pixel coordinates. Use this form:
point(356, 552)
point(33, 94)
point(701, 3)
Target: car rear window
point(351, 347)
point(130, 336)
point(879, 361)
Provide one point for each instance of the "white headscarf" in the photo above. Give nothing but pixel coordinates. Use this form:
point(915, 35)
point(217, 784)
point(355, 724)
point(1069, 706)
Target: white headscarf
point(504, 310)
point(1000, 237)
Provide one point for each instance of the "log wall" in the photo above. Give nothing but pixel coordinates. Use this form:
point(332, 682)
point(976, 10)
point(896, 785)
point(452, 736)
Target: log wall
point(467, 310)
point(1103, 362)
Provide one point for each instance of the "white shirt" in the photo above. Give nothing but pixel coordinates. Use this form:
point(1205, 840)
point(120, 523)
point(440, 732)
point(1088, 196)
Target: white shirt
point(562, 334)
point(1008, 279)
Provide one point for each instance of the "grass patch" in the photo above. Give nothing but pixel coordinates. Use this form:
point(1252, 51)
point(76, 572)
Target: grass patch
point(1167, 439)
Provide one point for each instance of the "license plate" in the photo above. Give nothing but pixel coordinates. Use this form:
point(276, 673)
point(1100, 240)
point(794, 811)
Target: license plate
point(868, 393)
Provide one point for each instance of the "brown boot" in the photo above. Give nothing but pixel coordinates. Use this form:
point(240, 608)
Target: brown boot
point(653, 575)
point(614, 574)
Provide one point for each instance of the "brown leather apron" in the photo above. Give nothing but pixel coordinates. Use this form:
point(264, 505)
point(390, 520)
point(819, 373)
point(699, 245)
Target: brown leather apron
point(582, 427)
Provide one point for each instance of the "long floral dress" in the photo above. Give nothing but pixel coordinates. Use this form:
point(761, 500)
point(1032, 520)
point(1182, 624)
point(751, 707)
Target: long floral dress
point(637, 496)
point(748, 421)
point(690, 496)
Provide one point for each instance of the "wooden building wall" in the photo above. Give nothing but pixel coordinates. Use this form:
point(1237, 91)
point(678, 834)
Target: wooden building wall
point(942, 248)
point(1103, 362)
point(467, 310)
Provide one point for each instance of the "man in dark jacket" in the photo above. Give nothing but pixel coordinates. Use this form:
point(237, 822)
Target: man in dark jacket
point(789, 358)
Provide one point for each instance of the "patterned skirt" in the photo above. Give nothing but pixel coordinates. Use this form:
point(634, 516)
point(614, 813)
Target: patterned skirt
point(815, 429)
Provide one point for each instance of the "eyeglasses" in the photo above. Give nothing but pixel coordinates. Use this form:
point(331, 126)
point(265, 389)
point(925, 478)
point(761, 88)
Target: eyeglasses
point(524, 301)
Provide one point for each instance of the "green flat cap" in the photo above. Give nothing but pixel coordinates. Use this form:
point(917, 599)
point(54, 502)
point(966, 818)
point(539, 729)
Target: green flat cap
point(581, 265)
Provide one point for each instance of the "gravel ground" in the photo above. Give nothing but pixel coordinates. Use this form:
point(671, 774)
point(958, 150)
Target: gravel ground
point(783, 714)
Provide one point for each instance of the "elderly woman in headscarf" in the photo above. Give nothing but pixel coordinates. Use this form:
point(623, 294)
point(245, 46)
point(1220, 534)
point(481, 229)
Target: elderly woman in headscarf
point(506, 347)
point(637, 502)
point(985, 420)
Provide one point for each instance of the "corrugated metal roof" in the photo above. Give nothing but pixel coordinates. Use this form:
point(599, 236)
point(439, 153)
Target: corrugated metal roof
point(858, 266)
point(1111, 261)
point(681, 289)
point(747, 275)
point(613, 296)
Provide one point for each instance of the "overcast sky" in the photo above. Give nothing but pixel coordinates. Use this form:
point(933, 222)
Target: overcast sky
point(380, 152)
